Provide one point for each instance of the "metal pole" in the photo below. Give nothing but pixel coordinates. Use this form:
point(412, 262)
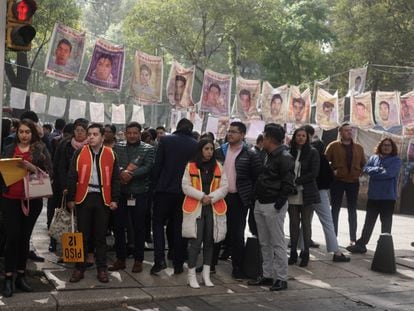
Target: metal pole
point(3, 15)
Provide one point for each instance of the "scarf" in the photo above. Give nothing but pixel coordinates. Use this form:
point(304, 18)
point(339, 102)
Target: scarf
point(77, 145)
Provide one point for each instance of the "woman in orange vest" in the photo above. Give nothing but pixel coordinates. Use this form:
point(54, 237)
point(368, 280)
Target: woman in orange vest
point(204, 209)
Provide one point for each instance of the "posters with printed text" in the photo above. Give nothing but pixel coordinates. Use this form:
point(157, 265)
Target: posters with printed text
point(299, 106)
point(246, 98)
point(118, 114)
point(361, 111)
point(38, 102)
point(147, 76)
point(180, 86)
point(106, 68)
point(65, 54)
point(77, 109)
point(407, 109)
point(17, 98)
point(97, 112)
point(216, 92)
point(387, 109)
point(57, 106)
point(357, 78)
point(326, 109)
point(274, 103)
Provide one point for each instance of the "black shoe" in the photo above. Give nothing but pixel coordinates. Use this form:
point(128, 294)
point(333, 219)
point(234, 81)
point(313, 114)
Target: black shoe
point(341, 258)
point(225, 255)
point(313, 244)
point(293, 258)
point(237, 274)
point(158, 267)
point(178, 269)
point(170, 254)
point(305, 260)
point(8, 287)
point(52, 245)
point(21, 283)
point(357, 249)
point(33, 257)
point(261, 281)
point(278, 285)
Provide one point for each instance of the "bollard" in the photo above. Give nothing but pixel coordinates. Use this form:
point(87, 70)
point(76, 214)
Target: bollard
point(384, 257)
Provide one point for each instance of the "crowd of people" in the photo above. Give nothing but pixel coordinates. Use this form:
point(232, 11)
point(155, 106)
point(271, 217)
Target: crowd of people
point(199, 193)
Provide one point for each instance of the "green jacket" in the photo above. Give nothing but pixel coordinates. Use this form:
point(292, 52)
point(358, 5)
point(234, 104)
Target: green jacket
point(129, 153)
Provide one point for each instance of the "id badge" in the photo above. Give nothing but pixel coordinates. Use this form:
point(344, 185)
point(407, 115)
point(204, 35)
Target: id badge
point(131, 202)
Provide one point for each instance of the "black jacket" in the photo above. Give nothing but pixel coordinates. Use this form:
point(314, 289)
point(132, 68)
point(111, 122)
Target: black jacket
point(309, 170)
point(173, 153)
point(248, 168)
point(276, 182)
point(72, 178)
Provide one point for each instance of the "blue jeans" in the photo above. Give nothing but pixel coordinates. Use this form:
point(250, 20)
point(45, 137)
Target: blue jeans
point(137, 213)
point(337, 192)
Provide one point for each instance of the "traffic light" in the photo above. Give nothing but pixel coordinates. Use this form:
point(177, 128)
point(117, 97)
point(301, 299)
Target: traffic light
point(19, 31)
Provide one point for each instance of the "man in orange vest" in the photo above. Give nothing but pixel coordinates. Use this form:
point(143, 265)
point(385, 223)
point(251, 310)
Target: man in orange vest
point(93, 187)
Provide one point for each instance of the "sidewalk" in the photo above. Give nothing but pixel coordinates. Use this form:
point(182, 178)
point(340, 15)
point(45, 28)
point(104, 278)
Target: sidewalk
point(323, 285)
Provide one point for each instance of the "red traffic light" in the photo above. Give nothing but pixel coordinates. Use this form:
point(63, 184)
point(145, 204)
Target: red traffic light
point(23, 10)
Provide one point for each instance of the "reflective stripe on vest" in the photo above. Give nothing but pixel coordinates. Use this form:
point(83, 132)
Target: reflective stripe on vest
point(84, 164)
point(190, 204)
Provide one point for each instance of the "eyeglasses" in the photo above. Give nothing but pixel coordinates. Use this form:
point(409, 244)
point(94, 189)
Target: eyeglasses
point(233, 132)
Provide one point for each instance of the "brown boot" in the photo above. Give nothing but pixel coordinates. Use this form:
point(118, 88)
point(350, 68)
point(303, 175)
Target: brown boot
point(118, 265)
point(77, 275)
point(102, 275)
point(137, 266)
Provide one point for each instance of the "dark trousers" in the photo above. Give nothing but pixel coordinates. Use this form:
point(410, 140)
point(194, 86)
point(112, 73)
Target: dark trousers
point(236, 224)
point(383, 208)
point(300, 215)
point(18, 229)
point(137, 214)
point(168, 208)
point(337, 192)
point(93, 218)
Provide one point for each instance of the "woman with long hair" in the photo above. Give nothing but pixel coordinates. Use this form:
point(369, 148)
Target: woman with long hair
point(307, 163)
point(18, 224)
point(204, 210)
point(383, 169)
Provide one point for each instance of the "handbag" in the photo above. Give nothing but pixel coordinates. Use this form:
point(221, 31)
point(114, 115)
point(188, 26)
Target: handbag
point(61, 221)
point(36, 186)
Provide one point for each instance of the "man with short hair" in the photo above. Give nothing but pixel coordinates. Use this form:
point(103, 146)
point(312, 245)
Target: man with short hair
point(136, 160)
point(274, 185)
point(173, 153)
point(160, 132)
point(242, 167)
point(93, 188)
point(298, 108)
point(62, 52)
point(347, 160)
point(180, 83)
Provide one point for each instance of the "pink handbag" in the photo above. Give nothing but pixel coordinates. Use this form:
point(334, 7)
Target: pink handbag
point(36, 185)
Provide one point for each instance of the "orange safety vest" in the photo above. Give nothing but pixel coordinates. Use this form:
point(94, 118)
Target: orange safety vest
point(84, 164)
point(190, 204)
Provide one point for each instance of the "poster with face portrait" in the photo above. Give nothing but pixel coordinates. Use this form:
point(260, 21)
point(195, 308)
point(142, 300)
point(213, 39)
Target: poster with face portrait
point(146, 84)
point(326, 109)
point(361, 111)
point(106, 68)
point(274, 103)
point(65, 54)
point(180, 86)
point(407, 109)
point(387, 109)
point(357, 78)
point(299, 106)
point(321, 84)
point(246, 98)
point(215, 94)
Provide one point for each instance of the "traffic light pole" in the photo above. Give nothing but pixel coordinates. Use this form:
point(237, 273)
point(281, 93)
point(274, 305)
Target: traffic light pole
point(3, 10)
